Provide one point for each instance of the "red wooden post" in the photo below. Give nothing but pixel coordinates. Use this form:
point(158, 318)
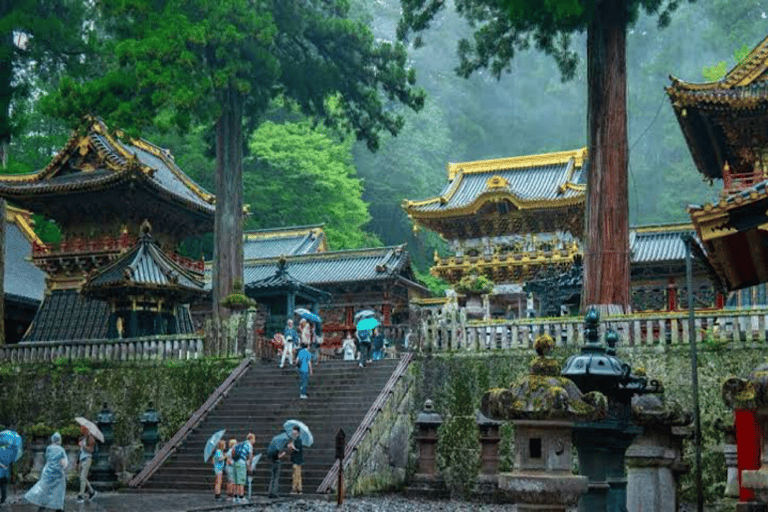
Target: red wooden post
point(387, 311)
point(672, 295)
point(747, 447)
point(719, 300)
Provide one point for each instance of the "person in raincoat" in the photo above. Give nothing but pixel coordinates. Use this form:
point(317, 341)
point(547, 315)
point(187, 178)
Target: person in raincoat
point(5, 476)
point(229, 471)
point(49, 491)
point(218, 468)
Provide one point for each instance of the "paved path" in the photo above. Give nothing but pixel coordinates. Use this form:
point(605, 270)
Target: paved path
point(136, 502)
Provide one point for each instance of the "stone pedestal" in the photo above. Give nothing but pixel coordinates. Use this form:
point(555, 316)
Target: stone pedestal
point(650, 483)
point(731, 462)
point(489, 449)
point(601, 447)
point(542, 479)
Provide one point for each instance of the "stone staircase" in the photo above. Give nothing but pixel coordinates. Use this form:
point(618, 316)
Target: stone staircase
point(340, 395)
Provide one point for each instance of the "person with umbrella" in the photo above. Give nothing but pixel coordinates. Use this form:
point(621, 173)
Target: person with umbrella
point(49, 491)
point(276, 451)
point(10, 452)
point(297, 459)
point(87, 445)
point(365, 327)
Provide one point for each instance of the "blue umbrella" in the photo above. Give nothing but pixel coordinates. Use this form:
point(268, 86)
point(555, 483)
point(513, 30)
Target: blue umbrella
point(367, 324)
point(10, 446)
point(304, 432)
point(366, 313)
point(308, 315)
point(211, 444)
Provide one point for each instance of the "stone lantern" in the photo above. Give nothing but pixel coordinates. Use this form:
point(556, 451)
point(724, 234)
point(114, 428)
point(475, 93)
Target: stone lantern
point(489, 447)
point(543, 407)
point(655, 457)
point(102, 471)
point(601, 445)
point(149, 434)
point(427, 424)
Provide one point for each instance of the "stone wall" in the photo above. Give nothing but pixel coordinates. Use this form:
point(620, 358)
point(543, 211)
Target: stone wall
point(34, 399)
point(380, 461)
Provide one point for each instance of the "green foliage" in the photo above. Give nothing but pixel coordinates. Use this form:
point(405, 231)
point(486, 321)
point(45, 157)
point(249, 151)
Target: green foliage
point(39, 429)
point(503, 28)
point(297, 174)
point(458, 447)
point(474, 283)
point(38, 41)
point(237, 301)
point(436, 285)
point(717, 71)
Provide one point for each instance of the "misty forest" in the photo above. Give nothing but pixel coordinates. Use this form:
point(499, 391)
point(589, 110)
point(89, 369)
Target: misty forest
point(300, 168)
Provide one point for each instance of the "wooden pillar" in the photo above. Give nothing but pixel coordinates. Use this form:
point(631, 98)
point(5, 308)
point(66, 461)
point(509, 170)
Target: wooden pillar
point(719, 300)
point(671, 295)
point(291, 304)
point(387, 313)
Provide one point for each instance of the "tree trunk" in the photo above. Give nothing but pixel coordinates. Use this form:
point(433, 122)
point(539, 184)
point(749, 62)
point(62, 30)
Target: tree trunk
point(6, 87)
point(228, 224)
point(606, 255)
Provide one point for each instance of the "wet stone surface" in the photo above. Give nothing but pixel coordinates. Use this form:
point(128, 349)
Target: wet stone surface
point(176, 502)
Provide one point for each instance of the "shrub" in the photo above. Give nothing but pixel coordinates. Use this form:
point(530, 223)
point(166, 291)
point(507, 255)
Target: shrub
point(458, 447)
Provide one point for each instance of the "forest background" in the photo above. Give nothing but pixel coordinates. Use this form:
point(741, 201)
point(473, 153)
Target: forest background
point(297, 174)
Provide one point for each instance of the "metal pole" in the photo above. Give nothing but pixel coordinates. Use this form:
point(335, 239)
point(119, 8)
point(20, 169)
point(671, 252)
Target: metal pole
point(688, 239)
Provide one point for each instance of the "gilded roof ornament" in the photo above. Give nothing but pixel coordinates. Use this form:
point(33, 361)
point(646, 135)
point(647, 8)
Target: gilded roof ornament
point(496, 182)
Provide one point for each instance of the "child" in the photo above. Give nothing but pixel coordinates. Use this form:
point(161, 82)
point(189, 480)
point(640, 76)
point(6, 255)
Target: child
point(218, 469)
point(228, 468)
point(297, 459)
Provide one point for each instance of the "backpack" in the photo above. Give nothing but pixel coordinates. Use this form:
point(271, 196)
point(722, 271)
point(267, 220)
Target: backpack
point(240, 451)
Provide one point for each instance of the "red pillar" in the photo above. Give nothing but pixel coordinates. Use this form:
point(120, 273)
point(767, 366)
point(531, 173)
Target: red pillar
point(387, 312)
point(720, 300)
point(671, 295)
point(747, 447)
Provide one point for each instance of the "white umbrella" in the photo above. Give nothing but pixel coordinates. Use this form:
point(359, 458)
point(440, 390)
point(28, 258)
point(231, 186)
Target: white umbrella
point(92, 428)
point(304, 432)
point(211, 443)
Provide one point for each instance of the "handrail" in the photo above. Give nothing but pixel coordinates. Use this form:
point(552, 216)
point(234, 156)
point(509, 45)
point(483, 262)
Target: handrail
point(365, 425)
point(194, 420)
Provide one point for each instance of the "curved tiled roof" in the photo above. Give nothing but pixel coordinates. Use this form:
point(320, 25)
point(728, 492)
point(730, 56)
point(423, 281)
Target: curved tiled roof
point(145, 265)
point(282, 280)
point(23, 280)
point(270, 243)
point(335, 266)
point(533, 181)
point(650, 244)
point(119, 161)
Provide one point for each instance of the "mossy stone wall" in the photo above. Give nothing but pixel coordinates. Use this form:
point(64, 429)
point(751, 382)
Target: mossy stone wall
point(52, 394)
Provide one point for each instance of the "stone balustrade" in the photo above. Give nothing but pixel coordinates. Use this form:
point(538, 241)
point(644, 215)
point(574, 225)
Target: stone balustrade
point(451, 331)
point(186, 346)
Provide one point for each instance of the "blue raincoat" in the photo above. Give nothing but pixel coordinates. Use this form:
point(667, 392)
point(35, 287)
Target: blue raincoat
point(49, 491)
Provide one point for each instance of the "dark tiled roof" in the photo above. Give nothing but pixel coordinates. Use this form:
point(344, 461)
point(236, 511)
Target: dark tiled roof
point(148, 266)
point(23, 279)
point(649, 244)
point(120, 161)
point(336, 266)
point(281, 280)
point(270, 243)
point(67, 315)
point(537, 178)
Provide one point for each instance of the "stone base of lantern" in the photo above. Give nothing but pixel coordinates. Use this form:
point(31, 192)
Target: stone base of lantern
point(756, 480)
point(751, 506)
point(541, 492)
point(426, 486)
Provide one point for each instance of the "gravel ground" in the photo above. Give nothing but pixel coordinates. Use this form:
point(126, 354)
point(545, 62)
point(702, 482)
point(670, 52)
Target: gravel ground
point(378, 504)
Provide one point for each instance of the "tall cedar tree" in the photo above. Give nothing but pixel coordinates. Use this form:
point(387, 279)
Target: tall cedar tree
point(38, 40)
point(502, 27)
point(222, 61)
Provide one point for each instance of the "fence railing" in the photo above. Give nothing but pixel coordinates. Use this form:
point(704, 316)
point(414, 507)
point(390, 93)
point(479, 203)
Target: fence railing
point(451, 331)
point(182, 346)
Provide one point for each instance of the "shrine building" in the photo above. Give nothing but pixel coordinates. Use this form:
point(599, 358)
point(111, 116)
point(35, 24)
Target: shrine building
point(122, 207)
point(519, 222)
point(725, 124)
